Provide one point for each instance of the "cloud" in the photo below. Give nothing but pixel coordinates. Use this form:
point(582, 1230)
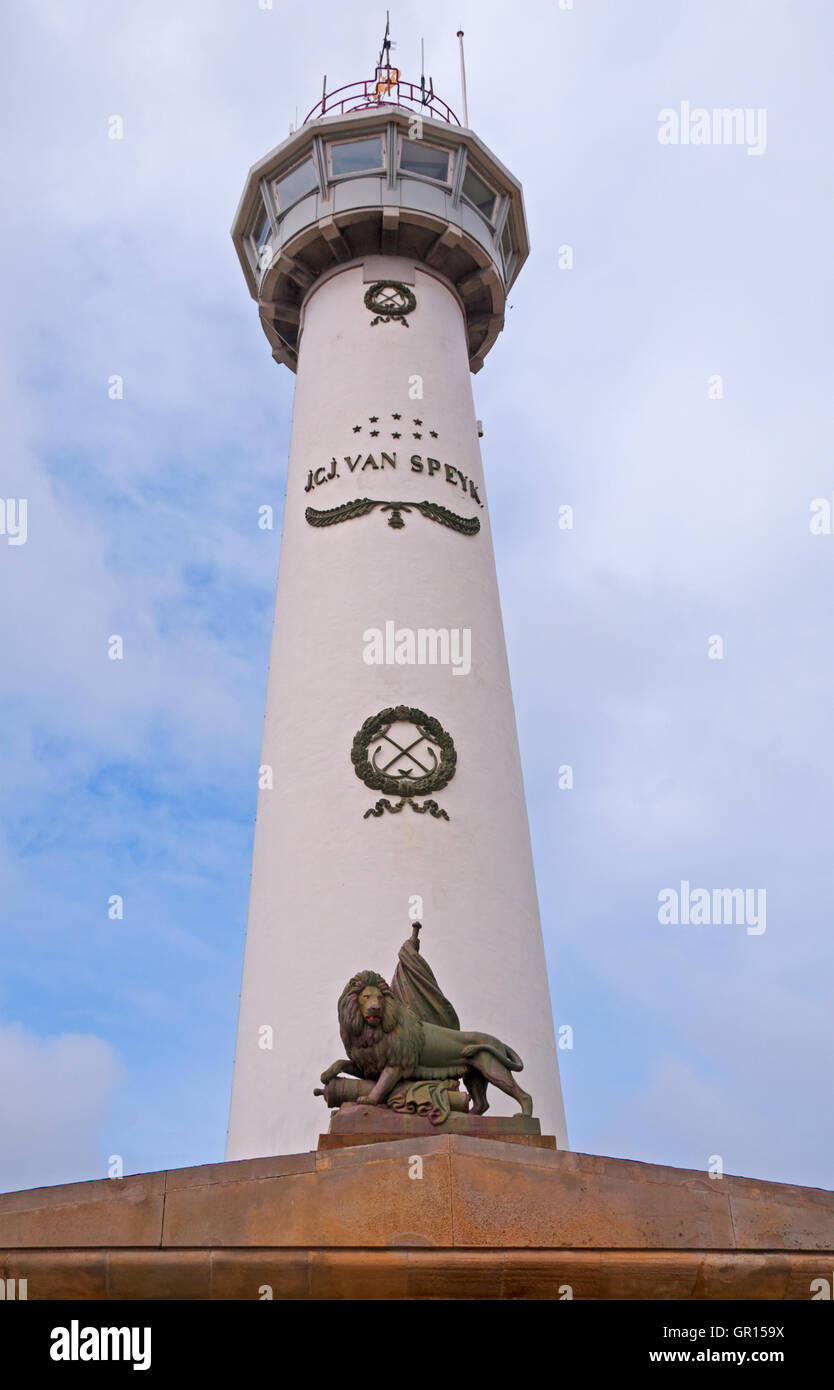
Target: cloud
point(55, 1094)
point(688, 1112)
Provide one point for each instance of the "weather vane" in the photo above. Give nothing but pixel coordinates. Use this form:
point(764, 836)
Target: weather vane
point(387, 87)
point(386, 76)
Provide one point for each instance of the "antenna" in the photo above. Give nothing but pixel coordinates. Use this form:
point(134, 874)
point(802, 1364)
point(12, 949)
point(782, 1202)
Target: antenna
point(424, 97)
point(463, 80)
point(384, 52)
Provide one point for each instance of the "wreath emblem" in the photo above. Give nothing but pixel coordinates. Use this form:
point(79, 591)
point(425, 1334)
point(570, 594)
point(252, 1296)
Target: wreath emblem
point(390, 299)
point(418, 759)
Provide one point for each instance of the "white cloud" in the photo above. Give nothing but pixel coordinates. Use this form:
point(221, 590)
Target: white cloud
point(54, 1098)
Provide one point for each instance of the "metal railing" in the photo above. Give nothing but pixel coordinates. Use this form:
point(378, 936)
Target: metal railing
point(360, 96)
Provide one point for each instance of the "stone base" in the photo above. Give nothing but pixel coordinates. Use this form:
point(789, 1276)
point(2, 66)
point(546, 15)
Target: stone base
point(483, 1219)
point(355, 1123)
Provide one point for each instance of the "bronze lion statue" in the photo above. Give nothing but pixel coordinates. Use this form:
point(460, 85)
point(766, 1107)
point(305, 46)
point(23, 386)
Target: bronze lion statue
point(387, 1043)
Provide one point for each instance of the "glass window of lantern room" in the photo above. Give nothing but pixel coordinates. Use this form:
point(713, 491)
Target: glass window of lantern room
point(260, 228)
point(507, 245)
point(429, 161)
point(294, 185)
point(355, 156)
point(477, 191)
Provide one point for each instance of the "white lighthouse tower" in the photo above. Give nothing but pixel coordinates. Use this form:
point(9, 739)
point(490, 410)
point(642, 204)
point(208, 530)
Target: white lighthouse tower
point(380, 241)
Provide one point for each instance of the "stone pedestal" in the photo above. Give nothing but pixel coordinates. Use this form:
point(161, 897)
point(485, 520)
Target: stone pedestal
point(475, 1219)
point(374, 1124)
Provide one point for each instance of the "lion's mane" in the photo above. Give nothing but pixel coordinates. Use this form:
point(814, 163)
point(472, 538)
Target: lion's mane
point(396, 1042)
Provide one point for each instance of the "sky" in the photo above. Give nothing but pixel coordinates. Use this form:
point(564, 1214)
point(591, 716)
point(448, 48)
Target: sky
point(672, 387)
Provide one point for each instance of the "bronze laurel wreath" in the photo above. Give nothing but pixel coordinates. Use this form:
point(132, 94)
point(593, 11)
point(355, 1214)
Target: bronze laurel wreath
point(406, 788)
point(384, 311)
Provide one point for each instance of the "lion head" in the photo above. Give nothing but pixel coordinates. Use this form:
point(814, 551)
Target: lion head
point(377, 1030)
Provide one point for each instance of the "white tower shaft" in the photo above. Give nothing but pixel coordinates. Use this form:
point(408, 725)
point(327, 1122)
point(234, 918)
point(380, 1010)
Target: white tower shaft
point(384, 411)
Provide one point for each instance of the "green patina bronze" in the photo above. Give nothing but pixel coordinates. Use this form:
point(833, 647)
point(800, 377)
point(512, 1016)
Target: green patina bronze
point(464, 525)
point(390, 299)
point(404, 782)
point(406, 1051)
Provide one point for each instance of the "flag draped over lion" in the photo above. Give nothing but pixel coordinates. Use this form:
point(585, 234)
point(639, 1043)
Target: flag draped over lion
point(401, 1032)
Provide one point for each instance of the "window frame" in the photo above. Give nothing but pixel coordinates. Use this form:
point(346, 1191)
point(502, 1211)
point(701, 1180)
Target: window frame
point(509, 257)
point(375, 171)
point(255, 246)
point(275, 179)
point(448, 150)
point(492, 219)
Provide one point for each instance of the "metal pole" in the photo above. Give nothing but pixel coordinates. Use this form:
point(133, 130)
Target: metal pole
point(463, 81)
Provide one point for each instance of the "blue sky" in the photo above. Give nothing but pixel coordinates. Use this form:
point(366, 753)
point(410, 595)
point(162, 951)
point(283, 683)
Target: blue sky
point(691, 519)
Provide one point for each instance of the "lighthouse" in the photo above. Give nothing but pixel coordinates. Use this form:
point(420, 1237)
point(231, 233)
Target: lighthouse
point(380, 241)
